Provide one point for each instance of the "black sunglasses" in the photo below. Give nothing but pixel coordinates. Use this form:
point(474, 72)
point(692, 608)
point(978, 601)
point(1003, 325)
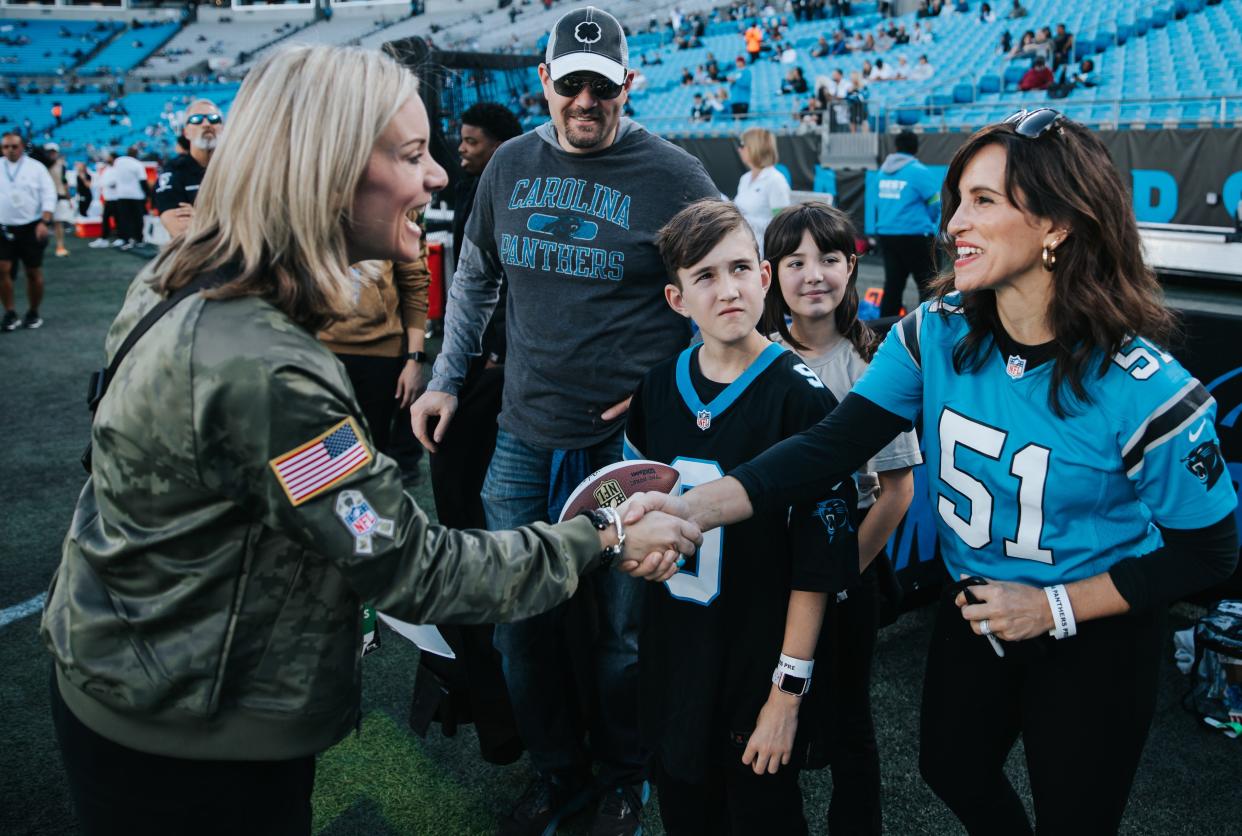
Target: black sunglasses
point(601, 88)
point(1033, 124)
point(200, 118)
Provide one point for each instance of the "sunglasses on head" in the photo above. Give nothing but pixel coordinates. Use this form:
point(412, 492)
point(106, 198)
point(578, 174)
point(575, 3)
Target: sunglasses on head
point(601, 88)
point(1033, 124)
point(200, 118)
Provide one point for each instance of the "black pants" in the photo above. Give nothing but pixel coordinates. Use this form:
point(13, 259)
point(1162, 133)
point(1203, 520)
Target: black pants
point(458, 469)
point(851, 626)
point(1083, 706)
point(375, 385)
point(733, 801)
point(903, 255)
point(129, 214)
point(118, 791)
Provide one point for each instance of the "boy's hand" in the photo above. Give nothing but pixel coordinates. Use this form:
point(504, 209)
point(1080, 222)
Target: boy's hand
point(771, 743)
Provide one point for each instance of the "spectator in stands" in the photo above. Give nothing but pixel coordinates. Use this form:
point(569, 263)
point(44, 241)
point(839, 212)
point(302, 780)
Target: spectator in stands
point(753, 37)
point(562, 419)
point(857, 100)
point(907, 216)
point(834, 93)
point(178, 184)
point(885, 8)
point(883, 40)
point(1062, 46)
point(881, 71)
point(839, 46)
point(986, 15)
point(739, 90)
point(902, 71)
point(901, 37)
point(687, 77)
point(1086, 76)
point(923, 70)
point(1038, 77)
point(712, 66)
point(27, 206)
point(1006, 44)
point(700, 111)
point(795, 82)
point(1017, 10)
point(867, 70)
point(869, 44)
point(762, 191)
point(822, 47)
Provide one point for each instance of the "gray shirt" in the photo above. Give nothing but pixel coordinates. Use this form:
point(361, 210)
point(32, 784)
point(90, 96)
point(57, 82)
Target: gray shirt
point(839, 368)
point(574, 235)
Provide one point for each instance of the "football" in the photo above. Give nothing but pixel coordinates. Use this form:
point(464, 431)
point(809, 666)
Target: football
point(616, 483)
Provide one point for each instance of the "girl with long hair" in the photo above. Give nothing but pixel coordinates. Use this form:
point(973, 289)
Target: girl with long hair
point(1073, 467)
point(812, 250)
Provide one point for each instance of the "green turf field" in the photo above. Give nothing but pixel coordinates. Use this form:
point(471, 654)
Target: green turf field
point(385, 780)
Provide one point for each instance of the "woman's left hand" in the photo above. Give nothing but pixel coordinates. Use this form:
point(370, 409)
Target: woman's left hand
point(1014, 611)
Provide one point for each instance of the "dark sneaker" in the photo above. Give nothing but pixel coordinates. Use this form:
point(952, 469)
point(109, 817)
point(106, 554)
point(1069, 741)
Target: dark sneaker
point(620, 811)
point(10, 321)
point(32, 320)
point(545, 803)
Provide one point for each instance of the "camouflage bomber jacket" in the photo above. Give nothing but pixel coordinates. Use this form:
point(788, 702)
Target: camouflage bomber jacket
point(207, 603)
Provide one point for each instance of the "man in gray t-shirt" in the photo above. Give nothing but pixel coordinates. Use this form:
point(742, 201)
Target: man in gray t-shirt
point(568, 213)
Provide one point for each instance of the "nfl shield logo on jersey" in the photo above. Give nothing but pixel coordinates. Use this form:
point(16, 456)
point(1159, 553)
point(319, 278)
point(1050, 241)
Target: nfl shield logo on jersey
point(1016, 367)
point(705, 419)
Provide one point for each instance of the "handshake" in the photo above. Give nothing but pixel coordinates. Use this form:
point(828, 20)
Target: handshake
point(658, 531)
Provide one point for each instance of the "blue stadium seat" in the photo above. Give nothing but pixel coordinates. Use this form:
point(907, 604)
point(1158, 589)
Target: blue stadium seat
point(1124, 30)
point(1013, 75)
point(1141, 26)
point(909, 116)
point(989, 83)
point(1103, 41)
point(963, 93)
point(1159, 18)
point(825, 181)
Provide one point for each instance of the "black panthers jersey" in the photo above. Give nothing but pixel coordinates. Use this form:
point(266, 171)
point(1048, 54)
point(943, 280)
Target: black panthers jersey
point(712, 633)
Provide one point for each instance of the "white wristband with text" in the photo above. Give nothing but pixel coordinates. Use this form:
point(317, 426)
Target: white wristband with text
point(800, 668)
point(1064, 625)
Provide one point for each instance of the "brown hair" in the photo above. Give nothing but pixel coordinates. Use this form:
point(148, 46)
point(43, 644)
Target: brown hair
point(1104, 295)
point(833, 231)
point(692, 233)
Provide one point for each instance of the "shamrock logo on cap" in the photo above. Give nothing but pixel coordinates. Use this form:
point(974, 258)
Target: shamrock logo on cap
point(588, 32)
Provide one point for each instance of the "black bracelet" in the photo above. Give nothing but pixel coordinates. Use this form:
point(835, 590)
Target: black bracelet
point(603, 522)
point(416, 356)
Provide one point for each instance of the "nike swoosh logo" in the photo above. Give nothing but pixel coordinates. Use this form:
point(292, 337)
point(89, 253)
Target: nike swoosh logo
point(1194, 434)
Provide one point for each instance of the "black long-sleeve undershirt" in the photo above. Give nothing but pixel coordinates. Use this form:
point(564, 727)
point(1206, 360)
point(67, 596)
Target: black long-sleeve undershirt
point(809, 463)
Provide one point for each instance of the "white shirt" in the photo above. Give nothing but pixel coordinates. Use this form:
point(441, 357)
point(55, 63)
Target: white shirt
point(922, 72)
point(885, 73)
point(759, 197)
point(26, 191)
point(123, 180)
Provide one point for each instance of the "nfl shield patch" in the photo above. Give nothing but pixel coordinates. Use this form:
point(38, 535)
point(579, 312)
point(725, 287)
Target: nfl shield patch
point(1016, 367)
point(704, 420)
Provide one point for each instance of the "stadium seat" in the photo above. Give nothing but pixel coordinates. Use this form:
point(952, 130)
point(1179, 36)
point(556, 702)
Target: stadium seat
point(1159, 18)
point(963, 93)
point(825, 181)
point(1141, 26)
point(1124, 30)
point(1013, 76)
point(1104, 40)
point(908, 116)
point(989, 83)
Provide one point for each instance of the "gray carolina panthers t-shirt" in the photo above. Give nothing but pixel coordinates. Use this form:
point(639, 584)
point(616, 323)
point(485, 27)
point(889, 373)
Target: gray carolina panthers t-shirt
point(575, 237)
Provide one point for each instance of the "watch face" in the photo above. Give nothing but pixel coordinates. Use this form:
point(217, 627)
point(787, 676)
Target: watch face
point(795, 685)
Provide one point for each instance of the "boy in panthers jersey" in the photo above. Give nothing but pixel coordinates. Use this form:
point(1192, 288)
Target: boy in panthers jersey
point(727, 732)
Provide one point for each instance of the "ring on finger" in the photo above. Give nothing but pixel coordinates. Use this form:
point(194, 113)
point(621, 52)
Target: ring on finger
point(985, 628)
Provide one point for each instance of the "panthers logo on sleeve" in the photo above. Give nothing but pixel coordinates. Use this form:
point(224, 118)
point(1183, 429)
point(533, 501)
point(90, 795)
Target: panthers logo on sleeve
point(1206, 463)
point(835, 516)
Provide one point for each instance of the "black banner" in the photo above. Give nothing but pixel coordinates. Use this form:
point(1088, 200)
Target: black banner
point(1182, 177)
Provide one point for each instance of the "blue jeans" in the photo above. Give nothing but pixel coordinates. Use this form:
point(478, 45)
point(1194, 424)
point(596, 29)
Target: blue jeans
point(535, 653)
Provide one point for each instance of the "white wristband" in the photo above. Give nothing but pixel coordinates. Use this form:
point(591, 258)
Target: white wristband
point(800, 668)
point(1064, 625)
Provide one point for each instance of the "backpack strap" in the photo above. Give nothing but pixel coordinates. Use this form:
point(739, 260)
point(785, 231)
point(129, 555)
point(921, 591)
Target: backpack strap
point(102, 379)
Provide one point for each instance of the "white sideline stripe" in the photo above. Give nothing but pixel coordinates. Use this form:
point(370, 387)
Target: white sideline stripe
point(20, 611)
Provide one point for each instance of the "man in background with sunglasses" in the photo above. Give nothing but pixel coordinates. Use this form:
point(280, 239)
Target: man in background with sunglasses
point(178, 183)
point(568, 213)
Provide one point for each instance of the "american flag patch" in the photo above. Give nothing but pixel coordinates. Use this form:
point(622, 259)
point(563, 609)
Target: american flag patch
point(319, 464)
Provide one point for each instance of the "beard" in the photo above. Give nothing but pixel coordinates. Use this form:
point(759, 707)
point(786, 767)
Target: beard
point(205, 143)
point(588, 137)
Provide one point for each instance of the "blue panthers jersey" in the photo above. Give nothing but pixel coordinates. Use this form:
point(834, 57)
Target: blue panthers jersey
point(1023, 495)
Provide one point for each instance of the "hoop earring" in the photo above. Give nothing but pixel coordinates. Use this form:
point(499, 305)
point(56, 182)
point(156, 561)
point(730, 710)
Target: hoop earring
point(1050, 259)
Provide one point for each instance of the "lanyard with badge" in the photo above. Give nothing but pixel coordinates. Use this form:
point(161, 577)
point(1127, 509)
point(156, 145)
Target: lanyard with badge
point(16, 196)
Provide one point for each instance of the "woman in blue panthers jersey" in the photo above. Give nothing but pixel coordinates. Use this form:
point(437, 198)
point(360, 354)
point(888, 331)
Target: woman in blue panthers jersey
point(1073, 466)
